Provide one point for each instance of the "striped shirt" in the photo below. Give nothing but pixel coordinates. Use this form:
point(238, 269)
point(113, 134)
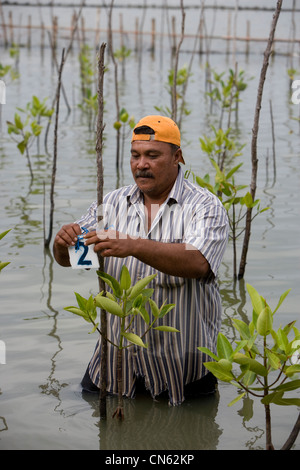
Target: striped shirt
point(190, 215)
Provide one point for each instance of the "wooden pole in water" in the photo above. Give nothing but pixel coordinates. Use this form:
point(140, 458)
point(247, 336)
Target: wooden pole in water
point(47, 242)
point(254, 159)
point(110, 43)
point(100, 184)
point(174, 93)
point(29, 32)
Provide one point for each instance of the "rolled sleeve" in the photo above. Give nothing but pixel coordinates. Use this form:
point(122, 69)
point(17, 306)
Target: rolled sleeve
point(208, 231)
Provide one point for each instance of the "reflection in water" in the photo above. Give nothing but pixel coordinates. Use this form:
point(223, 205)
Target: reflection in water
point(151, 424)
point(233, 294)
point(3, 424)
point(52, 386)
point(246, 412)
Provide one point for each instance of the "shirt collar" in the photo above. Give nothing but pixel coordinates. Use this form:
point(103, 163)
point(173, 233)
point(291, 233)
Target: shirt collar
point(135, 195)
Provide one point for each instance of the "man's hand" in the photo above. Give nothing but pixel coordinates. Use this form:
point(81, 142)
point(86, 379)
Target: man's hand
point(65, 237)
point(110, 243)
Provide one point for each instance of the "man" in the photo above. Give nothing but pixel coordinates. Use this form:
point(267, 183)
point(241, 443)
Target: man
point(162, 224)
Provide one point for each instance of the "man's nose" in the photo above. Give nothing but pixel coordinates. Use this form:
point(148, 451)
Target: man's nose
point(143, 162)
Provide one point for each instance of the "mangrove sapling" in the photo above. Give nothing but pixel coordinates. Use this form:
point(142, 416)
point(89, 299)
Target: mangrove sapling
point(126, 301)
point(221, 147)
point(25, 131)
point(236, 205)
point(121, 124)
point(122, 54)
point(267, 371)
point(182, 77)
point(89, 104)
point(225, 92)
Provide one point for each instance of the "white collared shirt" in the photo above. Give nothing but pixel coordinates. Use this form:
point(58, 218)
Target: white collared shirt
point(190, 215)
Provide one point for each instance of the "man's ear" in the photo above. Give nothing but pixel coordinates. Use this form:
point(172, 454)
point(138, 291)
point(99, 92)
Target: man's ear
point(178, 156)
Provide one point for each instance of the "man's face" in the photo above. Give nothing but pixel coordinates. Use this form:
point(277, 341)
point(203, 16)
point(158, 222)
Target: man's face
point(154, 167)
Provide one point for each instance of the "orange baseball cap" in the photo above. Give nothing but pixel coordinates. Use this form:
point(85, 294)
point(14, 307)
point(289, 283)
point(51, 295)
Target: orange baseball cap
point(165, 130)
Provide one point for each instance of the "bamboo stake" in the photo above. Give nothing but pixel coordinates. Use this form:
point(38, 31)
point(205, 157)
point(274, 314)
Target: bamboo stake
point(248, 38)
point(254, 139)
point(174, 93)
point(29, 32)
point(153, 35)
point(136, 32)
point(11, 28)
point(3, 25)
point(97, 35)
point(100, 184)
point(116, 85)
point(42, 37)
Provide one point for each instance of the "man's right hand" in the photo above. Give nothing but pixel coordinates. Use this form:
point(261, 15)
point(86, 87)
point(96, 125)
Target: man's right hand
point(65, 237)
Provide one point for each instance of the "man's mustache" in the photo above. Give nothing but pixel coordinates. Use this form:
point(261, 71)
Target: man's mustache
point(143, 174)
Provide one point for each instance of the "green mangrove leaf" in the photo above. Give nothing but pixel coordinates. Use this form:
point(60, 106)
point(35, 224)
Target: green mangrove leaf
point(78, 311)
point(219, 371)
point(226, 364)
point(265, 322)
point(282, 297)
point(138, 301)
point(111, 282)
point(4, 233)
point(164, 309)
point(291, 370)
point(109, 305)
point(242, 328)
point(273, 358)
point(94, 329)
point(253, 365)
point(2, 265)
point(238, 398)
point(171, 329)
point(208, 353)
point(22, 146)
point(81, 301)
point(125, 279)
point(144, 314)
point(249, 378)
point(256, 299)
point(154, 308)
point(140, 285)
point(277, 399)
point(286, 387)
point(224, 348)
point(133, 338)
point(282, 340)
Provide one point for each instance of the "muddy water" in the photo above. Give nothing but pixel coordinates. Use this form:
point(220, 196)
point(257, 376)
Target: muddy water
point(47, 349)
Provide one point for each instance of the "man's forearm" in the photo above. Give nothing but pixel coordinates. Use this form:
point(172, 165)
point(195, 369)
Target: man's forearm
point(175, 259)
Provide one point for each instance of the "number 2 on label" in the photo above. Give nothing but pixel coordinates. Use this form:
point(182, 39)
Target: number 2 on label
point(82, 261)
